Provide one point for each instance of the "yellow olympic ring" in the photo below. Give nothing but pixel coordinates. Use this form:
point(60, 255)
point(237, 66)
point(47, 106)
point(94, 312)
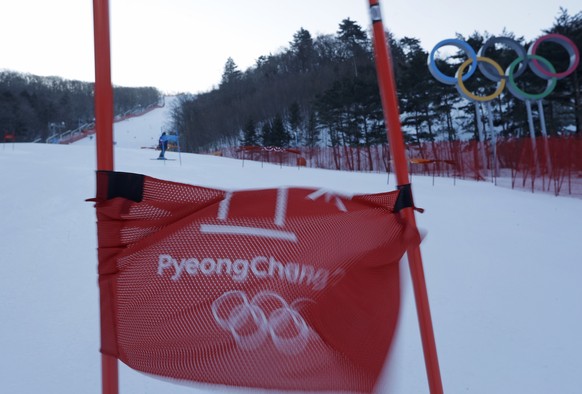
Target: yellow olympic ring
point(463, 90)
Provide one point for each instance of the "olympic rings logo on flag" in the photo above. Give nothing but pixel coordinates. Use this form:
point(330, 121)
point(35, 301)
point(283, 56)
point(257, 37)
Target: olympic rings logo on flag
point(250, 325)
point(493, 71)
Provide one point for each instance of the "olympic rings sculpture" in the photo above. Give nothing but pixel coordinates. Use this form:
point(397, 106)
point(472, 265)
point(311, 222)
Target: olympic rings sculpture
point(539, 65)
point(250, 325)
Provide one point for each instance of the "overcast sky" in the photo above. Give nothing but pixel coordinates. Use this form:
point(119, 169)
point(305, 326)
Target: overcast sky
point(182, 45)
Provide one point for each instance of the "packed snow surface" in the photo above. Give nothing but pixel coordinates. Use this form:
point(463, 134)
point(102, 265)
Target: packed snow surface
point(503, 271)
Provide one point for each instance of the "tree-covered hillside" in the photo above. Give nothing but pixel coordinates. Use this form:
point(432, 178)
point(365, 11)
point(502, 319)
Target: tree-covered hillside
point(323, 91)
point(33, 107)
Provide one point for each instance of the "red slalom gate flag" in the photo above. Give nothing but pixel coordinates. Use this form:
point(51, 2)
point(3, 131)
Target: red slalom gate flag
point(287, 289)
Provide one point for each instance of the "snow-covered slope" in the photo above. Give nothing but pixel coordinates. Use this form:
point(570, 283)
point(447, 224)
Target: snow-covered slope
point(503, 269)
point(142, 131)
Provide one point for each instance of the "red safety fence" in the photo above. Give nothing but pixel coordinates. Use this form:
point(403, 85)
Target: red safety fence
point(551, 164)
point(9, 137)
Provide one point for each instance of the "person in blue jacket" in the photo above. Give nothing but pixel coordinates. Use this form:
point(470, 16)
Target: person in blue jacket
point(163, 145)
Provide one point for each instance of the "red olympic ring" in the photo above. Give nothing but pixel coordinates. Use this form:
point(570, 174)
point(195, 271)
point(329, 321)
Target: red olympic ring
point(573, 53)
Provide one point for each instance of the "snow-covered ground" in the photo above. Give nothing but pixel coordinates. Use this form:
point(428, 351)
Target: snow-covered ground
point(503, 269)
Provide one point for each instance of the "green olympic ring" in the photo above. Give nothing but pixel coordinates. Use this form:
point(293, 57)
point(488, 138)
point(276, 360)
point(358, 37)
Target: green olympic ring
point(517, 92)
point(493, 71)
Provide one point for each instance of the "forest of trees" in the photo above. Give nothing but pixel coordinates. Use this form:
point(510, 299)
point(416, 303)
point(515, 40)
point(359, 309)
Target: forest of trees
point(34, 107)
point(323, 91)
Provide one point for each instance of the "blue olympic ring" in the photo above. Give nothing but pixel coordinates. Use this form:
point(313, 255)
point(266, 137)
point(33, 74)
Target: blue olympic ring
point(440, 76)
point(492, 71)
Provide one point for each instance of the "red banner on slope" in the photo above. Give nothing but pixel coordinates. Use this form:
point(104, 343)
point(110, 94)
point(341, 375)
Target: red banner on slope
point(289, 288)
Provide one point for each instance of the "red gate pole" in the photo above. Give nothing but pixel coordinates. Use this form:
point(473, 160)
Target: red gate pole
point(104, 135)
point(394, 131)
point(103, 87)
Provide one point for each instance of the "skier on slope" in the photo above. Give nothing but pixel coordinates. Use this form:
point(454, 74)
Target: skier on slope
point(163, 145)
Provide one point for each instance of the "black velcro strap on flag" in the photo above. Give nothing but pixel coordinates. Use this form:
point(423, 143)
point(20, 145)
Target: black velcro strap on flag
point(404, 199)
point(112, 184)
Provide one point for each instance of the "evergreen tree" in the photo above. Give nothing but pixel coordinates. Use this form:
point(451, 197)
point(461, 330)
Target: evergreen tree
point(250, 133)
point(302, 50)
point(355, 43)
point(280, 136)
point(417, 90)
point(295, 123)
point(267, 134)
point(231, 72)
point(312, 136)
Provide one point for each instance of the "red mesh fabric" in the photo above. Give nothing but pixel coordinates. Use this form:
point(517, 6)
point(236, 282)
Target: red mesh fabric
point(289, 289)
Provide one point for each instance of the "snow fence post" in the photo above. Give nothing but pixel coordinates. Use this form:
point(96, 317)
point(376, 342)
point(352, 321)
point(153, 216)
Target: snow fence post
point(394, 131)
